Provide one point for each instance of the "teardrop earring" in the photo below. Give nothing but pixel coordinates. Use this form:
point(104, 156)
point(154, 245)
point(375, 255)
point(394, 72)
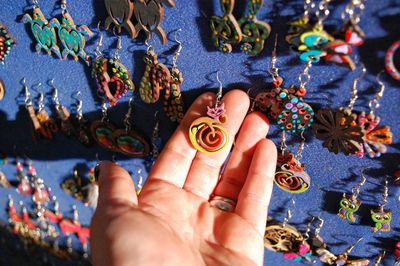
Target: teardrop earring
point(207, 134)
point(62, 113)
point(128, 141)
point(173, 102)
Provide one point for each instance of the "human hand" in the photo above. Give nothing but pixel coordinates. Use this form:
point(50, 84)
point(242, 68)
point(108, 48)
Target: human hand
point(172, 221)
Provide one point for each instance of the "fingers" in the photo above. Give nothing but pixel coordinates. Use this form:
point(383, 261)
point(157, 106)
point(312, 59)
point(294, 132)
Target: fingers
point(174, 162)
point(115, 186)
point(205, 168)
point(254, 129)
point(255, 196)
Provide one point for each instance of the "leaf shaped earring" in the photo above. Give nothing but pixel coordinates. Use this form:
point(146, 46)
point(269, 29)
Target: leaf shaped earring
point(7, 41)
point(128, 141)
point(42, 31)
point(225, 30)
point(120, 13)
point(173, 102)
point(102, 130)
point(156, 77)
point(71, 36)
point(254, 31)
point(207, 134)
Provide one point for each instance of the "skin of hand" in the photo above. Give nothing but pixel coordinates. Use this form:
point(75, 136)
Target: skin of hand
point(172, 222)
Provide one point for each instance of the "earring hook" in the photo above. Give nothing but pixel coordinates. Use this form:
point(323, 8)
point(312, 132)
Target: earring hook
point(178, 51)
point(374, 103)
point(100, 41)
point(55, 93)
point(219, 94)
point(354, 91)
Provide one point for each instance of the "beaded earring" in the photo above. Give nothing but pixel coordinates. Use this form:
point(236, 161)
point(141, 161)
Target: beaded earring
point(381, 217)
point(302, 251)
point(225, 30)
point(7, 42)
point(207, 134)
point(127, 140)
point(254, 31)
point(350, 205)
point(24, 187)
point(71, 36)
point(42, 31)
point(41, 193)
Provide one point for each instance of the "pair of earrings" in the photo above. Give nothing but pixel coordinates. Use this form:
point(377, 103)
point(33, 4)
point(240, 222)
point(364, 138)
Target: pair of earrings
point(7, 42)
point(314, 43)
point(248, 32)
point(112, 77)
point(351, 204)
point(148, 15)
point(158, 77)
point(207, 133)
point(83, 189)
point(351, 133)
point(70, 36)
point(32, 184)
point(124, 140)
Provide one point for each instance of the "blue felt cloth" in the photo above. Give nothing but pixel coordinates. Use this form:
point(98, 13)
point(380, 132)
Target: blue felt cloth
point(330, 86)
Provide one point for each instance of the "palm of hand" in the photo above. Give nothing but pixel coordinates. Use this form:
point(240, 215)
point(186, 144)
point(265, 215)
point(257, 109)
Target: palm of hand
point(172, 221)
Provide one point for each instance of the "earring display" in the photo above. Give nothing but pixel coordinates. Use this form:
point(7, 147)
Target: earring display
point(7, 42)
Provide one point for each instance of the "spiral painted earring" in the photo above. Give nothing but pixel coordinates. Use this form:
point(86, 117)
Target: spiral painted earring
point(207, 134)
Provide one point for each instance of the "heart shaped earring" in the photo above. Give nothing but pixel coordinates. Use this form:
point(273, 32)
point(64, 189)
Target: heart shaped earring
point(128, 141)
point(42, 31)
point(71, 36)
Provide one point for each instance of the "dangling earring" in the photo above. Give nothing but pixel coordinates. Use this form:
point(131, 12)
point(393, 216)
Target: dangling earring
point(128, 141)
point(290, 175)
point(379, 258)
point(338, 129)
point(343, 259)
point(7, 41)
point(102, 130)
point(351, 33)
point(41, 193)
point(282, 237)
point(302, 251)
point(63, 114)
point(4, 182)
point(48, 127)
point(24, 187)
point(42, 31)
point(71, 36)
point(389, 61)
point(81, 124)
point(156, 77)
point(380, 216)
point(119, 14)
point(156, 143)
point(225, 30)
point(207, 134)
point(254, 31)
point(112, 77)
point(350, 205)
point(140, 182)
point(73, 185)
point(173, 102)
point(374, 136)
point(92, 190)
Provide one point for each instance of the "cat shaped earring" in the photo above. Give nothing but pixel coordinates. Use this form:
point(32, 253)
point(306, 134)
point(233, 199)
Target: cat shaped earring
point(381, 217)
point(350, 205)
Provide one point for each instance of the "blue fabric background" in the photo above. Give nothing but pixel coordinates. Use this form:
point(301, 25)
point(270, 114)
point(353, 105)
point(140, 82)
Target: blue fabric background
point(330, 86)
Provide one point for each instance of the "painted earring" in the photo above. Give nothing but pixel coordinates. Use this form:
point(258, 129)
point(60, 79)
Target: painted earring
point(149, 15)
point(225, 30)
point(207, 134)
point(24, 187)
point(42, 31)
point(374, 136)
point(282, 237)
point(156, 77)
point(173, 102)
point(7, 42)
point(289, 174)
point(381, 217)
point(351, 33)
point(339, 130)
point(48, 127)
point(71, 36)
point(389, 61)
point(80, 123)
point(302, 251)
point(254, 31)
point(350, 205)
point(127, 140)
point(120, 13)
point(102, 130)
point(73, 185)
point(63, 114)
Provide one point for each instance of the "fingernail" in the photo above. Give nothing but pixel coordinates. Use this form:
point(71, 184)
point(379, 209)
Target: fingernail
point(97, 172)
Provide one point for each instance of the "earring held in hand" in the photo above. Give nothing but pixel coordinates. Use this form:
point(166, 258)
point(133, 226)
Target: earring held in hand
point(207, 134)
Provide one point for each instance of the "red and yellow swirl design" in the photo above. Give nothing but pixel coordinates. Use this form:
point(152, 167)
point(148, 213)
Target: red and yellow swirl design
point(207, 135)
